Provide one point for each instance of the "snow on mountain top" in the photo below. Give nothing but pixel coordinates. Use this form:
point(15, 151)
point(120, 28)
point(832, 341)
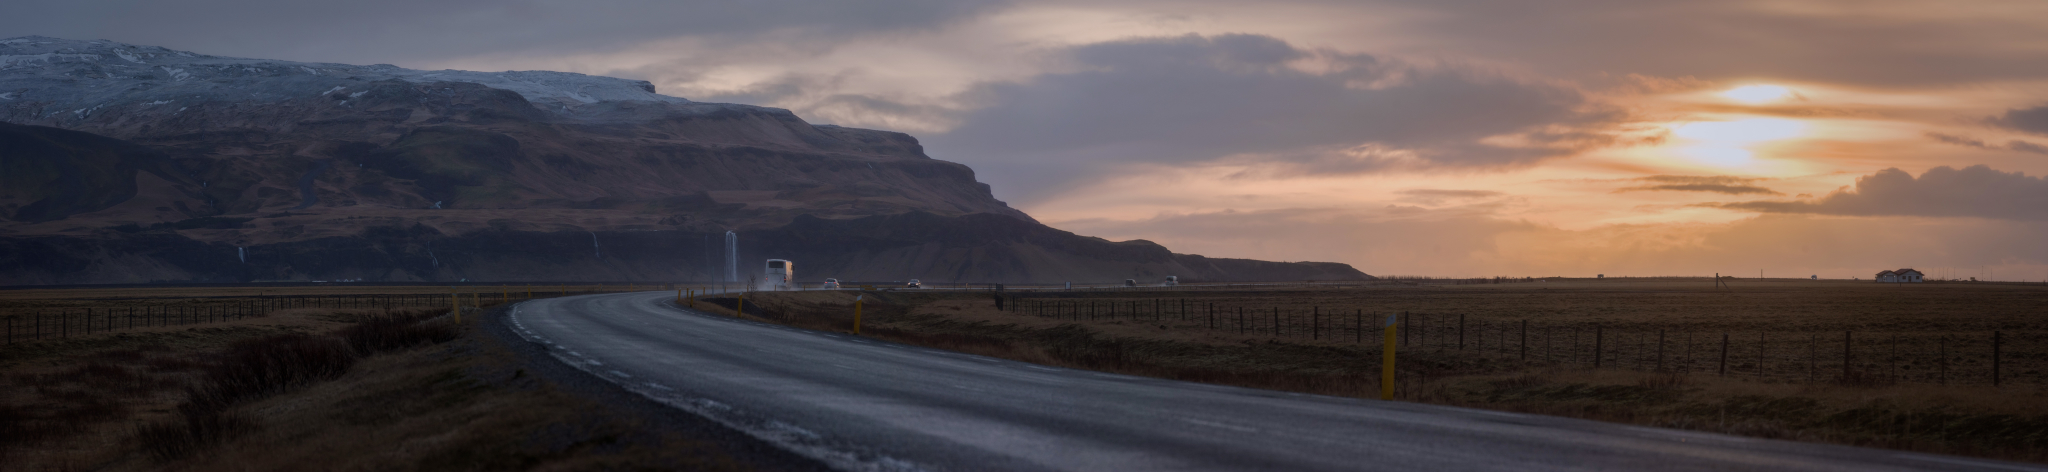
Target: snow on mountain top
point(53, 70)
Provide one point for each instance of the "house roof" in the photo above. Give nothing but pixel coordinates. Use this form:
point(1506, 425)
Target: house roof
point(1906, 270)
point(1885, 273)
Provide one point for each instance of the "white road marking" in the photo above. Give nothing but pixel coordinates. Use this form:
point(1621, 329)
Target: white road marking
point(1945, 460)
point(1687, 434)
point(1213, 424)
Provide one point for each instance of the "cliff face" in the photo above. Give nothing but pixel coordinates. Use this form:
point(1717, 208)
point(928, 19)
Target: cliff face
point(132, 164)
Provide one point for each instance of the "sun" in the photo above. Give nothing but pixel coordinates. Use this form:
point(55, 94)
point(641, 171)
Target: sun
point(1756, 94)
point(1728, 143)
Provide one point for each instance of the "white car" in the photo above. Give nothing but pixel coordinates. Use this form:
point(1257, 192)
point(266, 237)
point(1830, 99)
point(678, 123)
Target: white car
point(831, 284)
point(914, 284)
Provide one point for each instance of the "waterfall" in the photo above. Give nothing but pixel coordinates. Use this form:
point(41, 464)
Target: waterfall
point(593, 245)
point(242, 254)
point(732, 257)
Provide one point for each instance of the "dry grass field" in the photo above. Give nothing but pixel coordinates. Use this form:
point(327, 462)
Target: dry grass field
point(1919, 376)
point(32, 314)
point(310, 389)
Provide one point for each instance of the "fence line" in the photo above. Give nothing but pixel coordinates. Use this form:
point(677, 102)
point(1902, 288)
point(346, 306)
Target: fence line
point(1775, 355)
point(31, 324)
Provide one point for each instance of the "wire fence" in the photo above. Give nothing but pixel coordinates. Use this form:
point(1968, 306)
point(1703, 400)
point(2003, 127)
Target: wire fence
point(1805, 354)
point(33, 320)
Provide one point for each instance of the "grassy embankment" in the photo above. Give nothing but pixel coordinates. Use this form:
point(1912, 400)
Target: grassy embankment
point(309, 389)
point(1879, 405)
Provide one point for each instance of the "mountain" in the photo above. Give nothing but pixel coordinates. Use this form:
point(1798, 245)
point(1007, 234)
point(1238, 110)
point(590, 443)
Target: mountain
point(128, 163)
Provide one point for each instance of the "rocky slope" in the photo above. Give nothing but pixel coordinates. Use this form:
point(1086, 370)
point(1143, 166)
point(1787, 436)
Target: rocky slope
point(131, 163)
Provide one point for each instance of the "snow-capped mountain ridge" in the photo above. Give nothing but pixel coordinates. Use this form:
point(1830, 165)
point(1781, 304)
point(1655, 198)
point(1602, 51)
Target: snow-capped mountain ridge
point(83, 77)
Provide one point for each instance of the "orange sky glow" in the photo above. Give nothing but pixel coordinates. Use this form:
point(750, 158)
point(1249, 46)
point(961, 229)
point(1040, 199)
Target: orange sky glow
point(1455, 139)
point(1643, 188)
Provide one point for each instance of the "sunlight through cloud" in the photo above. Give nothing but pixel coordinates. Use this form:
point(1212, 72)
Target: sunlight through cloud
point(1755, 94)
point(1724, 143)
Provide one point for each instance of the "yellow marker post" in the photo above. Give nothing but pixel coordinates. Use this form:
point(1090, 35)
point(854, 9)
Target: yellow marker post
point(529, 292)
point(1387, 365)
point(679, 296)
point(740, 309)
point(856, 313)
point(455, 306)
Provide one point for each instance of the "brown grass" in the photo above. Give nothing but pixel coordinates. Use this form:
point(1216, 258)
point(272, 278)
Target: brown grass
point(355, 390)
point(1867, 408)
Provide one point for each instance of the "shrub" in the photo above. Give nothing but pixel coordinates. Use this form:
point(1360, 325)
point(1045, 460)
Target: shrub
point(192, 431)
point(397, 331)
point(262, 367)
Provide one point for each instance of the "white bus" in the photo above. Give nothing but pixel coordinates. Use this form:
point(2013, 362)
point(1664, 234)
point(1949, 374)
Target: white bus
point(780, 272)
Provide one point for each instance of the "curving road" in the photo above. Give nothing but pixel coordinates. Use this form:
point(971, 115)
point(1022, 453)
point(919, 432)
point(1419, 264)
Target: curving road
point(858, 404)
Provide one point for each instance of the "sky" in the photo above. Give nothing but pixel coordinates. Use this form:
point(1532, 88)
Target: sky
point(1431, 138)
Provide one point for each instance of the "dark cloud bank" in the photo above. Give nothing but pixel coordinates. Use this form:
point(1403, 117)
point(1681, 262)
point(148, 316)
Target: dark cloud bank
point(2032, 120)
point(1727, 184)
point(1240, 99)
point(2013, 145)
point(1975, 191)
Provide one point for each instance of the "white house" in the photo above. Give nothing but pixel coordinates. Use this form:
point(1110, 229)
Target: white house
point(1907, 275)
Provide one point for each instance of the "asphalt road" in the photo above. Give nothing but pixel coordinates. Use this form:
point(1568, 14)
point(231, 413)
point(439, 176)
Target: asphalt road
point(859, 404)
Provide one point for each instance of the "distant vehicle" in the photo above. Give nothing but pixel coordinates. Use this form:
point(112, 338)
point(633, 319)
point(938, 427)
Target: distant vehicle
point(1171, 280)
point(831, 284)
point(779, 273)
point(1130, 282)
point(914, 284)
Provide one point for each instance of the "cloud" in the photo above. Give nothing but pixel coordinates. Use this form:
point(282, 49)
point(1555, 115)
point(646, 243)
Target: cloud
point(1265, 104)
point(2031, 120)
point(1436, 193)
point(1727, 184)
point(1432, 197)
point(1975, 191)
point(1716, 188)
point(2014, 145)
point(403, 31)
point(1833, 41)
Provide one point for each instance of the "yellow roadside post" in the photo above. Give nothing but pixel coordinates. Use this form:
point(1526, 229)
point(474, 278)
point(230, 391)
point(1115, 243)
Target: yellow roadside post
point(505, 292)
point(856, 313)
point(1387, 365)
point(679, 296)
point(455, 306)
point(529, 292)
point(740, 308)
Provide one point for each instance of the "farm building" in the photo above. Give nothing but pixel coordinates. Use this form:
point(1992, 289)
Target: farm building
point(1898, 276)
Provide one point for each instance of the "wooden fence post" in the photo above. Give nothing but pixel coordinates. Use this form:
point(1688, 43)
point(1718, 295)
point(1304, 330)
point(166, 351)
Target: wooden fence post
point(1599, 338)
point(1724, 355)
point(1760, 355)
point(1944, 359)
point(1848, 354)
point(1997, 341)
